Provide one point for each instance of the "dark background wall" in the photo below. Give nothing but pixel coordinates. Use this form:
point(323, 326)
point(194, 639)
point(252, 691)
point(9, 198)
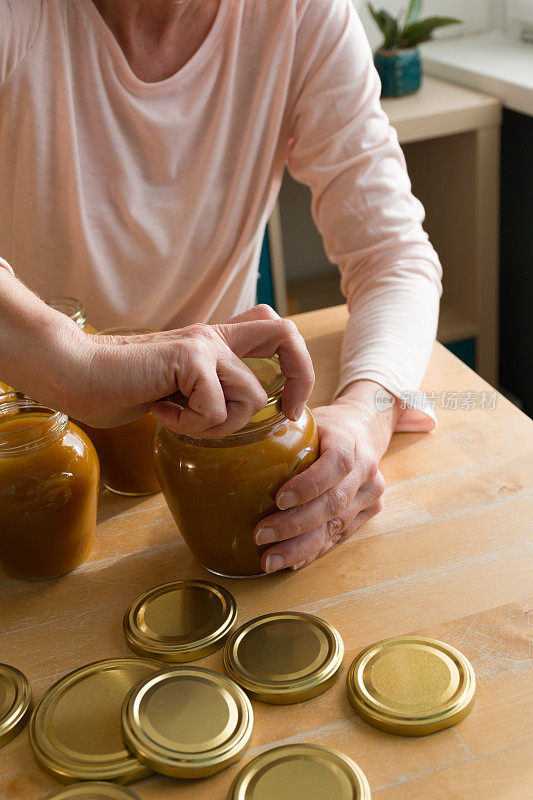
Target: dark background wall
point(516, 270)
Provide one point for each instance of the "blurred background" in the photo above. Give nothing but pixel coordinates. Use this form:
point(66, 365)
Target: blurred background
point(467, 135)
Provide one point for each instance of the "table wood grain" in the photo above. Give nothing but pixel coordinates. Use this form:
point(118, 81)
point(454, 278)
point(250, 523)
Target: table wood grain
point(450, 556)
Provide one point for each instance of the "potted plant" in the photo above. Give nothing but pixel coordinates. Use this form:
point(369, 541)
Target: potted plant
point(398, 59)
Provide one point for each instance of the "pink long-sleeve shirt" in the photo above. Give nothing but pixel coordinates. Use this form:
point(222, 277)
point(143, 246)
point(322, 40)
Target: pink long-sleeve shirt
point(148, 201)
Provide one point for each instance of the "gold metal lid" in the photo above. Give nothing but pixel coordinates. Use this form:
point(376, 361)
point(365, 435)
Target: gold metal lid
point(285, 657)
point(180, 621)
point(75, 730)
point(411, 685)
point(187, 722)
point(15, 702)
point(268, 373)
point(92, 790)
point(300, 772)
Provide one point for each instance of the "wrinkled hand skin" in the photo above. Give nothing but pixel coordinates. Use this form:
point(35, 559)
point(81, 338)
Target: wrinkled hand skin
point(342, 490)
point(123, 377)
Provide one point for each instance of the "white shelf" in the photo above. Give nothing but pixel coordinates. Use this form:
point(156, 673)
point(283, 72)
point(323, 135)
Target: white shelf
point(489, 62)
point(439, 109)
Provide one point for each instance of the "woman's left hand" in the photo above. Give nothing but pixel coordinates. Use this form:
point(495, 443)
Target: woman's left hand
point(338, 493)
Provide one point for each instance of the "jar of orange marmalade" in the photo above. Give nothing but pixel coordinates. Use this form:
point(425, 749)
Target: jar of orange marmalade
point(71, 308)
point(48, 491)
point(125, 451)
point(218, 490)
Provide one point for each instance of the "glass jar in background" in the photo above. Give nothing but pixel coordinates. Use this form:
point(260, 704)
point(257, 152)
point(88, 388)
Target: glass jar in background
point(71, 308)
point(125, 452)
point(48, 491)
point(8, 395)
point(218, 490)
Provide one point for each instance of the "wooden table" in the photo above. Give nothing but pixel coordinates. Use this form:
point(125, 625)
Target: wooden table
point(450, 557)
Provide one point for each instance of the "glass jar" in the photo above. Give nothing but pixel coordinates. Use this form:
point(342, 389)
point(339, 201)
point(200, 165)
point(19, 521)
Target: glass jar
point(125, 451)
point(48, 491)
point(9, 396)
point(71, 308)
point(6, 392)
point(218, 490)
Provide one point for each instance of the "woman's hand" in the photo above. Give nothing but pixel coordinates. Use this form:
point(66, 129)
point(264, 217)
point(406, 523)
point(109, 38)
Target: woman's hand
point(108, 380)
point(338, 493)
point(129, 374)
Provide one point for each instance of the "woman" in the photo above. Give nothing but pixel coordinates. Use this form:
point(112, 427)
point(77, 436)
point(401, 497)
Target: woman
point(142, 146)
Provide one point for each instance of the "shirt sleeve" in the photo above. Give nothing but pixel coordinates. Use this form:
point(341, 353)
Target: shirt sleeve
point(343, 147)
point(19, 23)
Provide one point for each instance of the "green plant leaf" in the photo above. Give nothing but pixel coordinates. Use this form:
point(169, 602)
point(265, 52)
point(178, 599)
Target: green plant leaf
point(380, 17)
point(413, 12)
point(392, 36)
point(374, 14)
point(387, 25)
point(422, 31)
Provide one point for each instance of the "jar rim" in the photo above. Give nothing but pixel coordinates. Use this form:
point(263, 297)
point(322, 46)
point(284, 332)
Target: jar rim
point(271, 413)
point(70, 307)
point(35, 435)
point(128, 330)
point(249, 432)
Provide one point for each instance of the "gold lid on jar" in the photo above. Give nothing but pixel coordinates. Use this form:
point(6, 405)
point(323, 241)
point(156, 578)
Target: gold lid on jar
point(268, 373)
point(75, 730)
point(411, 685)
point(300, 772)
point(187, 722)
point(180, 621)
point(92, 790)
point(284, 657)
point(15, 702)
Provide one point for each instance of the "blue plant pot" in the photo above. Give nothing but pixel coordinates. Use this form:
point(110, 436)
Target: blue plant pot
point(400, 71)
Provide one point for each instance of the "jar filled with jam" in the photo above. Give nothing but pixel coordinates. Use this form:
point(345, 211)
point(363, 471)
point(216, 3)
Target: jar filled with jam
point(71, 308)
point(218, 490)
point(48, 491)
point(125, 451)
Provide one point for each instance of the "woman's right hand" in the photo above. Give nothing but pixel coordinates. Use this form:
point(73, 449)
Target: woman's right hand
point(121, 377)
point(109, 380)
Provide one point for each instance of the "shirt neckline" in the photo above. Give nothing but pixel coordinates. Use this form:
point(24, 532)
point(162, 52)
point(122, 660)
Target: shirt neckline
point(129, 78)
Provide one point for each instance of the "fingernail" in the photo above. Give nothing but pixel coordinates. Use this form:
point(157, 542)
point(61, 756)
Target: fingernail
point(266, 535)
point(299, 411)
point(273, 563)
point(287, 500)
point(298, 565)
